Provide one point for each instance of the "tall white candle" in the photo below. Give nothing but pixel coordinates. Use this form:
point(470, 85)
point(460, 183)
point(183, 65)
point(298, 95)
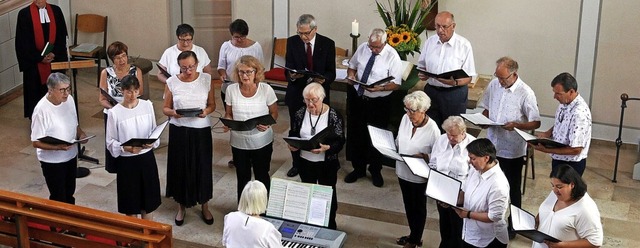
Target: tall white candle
point(354, 27)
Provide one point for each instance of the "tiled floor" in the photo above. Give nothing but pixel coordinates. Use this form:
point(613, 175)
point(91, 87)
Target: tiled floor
point(371, 217)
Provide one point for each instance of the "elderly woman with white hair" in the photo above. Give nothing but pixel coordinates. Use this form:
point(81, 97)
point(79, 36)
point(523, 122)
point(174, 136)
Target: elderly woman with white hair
point(245, 227)
point(55, 116)
point(451, 157)
point(319, 165)
point(416, 135)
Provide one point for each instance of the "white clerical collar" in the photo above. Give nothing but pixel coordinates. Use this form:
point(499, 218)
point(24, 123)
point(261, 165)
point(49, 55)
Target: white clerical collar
point(44, 16)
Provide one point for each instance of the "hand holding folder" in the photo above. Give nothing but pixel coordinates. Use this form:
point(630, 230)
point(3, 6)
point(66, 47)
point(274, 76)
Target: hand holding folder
point(312, 74)
point(55, 141)
point(249, 124)
point(153, 136)
point(455, 74)
point(309, 144)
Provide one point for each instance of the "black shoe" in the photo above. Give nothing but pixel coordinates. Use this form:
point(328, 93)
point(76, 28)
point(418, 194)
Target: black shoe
point(207, 221)
point(292, 172)
point(376, 178)
point(180, 222)
point(512, 234)
point(352, 177)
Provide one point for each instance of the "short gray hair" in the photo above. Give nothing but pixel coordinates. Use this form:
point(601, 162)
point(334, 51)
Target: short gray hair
point(306, 19)
point(253, 199)
point(417, 100)
point(454, 122)
point(509, 63)
point(57, 78)
point(314, 89)
point(378, 34)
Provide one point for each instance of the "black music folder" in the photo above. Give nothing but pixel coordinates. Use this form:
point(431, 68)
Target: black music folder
point(55, 141)
point(110, 99)
point(455, 74)
point(249, 124)
point(314, 142)
point(371, 85)
point(443, 188)
point(153, 136)
point(312, 74)
point(163, 71)
point(535, 140)
point(523, 223)
point(189, 112)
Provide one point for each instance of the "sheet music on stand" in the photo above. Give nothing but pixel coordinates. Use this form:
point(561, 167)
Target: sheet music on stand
point(302, 202)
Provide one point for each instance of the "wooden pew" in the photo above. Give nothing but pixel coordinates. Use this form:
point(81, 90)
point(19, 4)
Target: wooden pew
point(28, 222)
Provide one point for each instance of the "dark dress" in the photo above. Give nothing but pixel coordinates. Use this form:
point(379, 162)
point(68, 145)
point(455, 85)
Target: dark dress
point(28, 55)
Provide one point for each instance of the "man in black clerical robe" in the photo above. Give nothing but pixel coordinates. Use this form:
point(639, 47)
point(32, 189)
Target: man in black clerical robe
point(38, 24)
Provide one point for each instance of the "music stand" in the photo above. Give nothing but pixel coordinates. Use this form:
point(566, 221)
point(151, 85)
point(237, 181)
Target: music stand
point(76, 64)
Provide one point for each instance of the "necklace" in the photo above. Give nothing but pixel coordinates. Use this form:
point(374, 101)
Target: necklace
point(313, 126)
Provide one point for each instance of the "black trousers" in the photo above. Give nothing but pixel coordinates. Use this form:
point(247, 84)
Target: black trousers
point(512, 168)
point(258, 160)
point(446, 102)
point(415, 205)
point(363, 111)
point(61, 180)
point(109, 160)
point(323, 173)
point(494, 244)
point(579, 166)
point(450, 228)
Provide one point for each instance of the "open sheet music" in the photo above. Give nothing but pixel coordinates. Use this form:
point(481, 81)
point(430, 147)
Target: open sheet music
point(418, 166)
point(302, 202)
point(455, 74)
point(443, 188)
point(371, 85)
point(249, 124)
point(312, 74)
point(535, 140)
point(384, 142)
point(479, 119)
point(524, 223)
point(314, 142)
point(56, 141)
point(153, 136)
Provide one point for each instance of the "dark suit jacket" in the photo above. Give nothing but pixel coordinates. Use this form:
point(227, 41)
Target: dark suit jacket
point(324, 62)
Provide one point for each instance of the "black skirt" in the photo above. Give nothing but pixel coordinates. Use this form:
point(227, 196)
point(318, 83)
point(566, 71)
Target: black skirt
point(189, 165)
point(138, 183)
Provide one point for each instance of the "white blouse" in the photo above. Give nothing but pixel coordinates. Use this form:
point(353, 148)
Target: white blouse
point(421, 142)
point(58, 121)
point(321, 122)
point(190, 95)
point(453, 161)
point(124, 124)
point(243, 231)
point(244, 108)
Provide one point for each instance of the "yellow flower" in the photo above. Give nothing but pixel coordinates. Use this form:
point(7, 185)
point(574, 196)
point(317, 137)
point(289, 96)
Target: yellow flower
point(406, 36)
point(395, 39)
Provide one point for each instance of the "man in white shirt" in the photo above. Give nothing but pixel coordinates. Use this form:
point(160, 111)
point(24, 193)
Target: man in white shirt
point(446, 51)
point(572, 125)
point(510, 101)
point(372, 61)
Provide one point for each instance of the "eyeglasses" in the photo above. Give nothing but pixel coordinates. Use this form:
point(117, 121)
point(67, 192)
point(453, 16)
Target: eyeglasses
point(501, 78)
point(239, 37)
point(185, 40)
point(410, 111)
point(65, 90)
point(444, 27)
point(121, 56)
point(306, 33)
point(247, 73)
point(311, 101)
point(375, 47)
point(191, 67)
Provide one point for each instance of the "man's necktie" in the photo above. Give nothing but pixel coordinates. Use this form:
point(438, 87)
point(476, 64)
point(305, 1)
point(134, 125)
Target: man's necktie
point(309, 57)
point(365, 74)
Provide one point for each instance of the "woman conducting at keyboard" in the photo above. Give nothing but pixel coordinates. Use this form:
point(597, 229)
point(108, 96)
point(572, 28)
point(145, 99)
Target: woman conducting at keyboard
point(136, 168)
point(244, 228)
point(569, 213)
point(319, 165)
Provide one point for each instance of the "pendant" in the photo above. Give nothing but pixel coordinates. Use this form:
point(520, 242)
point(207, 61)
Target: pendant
point(313, 130)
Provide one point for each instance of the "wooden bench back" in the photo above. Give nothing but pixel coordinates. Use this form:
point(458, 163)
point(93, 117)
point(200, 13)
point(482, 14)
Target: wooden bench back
point(31, 221)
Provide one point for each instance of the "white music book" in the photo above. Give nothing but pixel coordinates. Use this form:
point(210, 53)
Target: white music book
point(443, 188)
point(418, 166)
point(301, 202)
point(384, 142)
point(479, 119)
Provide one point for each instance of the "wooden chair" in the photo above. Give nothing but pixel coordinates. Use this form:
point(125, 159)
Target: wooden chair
point(342, 52)
point(275, 76)
point(91, 24)
point(529, 157)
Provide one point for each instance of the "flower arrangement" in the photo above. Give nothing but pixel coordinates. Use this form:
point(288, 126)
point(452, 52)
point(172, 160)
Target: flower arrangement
point(404, 20)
